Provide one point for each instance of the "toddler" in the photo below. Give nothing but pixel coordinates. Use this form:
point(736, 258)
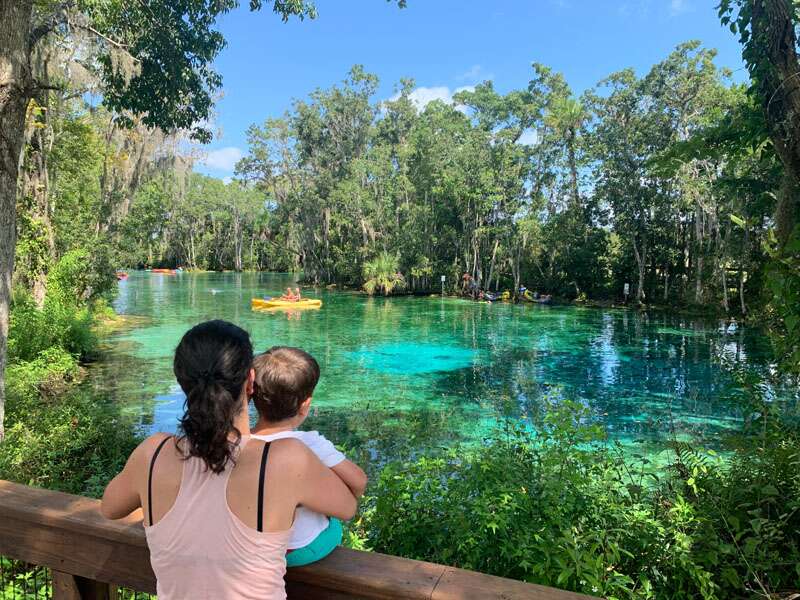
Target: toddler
point(283, 387)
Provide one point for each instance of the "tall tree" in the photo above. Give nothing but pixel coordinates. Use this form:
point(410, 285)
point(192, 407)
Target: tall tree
point(768, 32)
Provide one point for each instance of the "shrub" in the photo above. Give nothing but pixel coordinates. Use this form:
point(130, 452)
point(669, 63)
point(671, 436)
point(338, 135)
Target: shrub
point(381, 274)
point(559, 509)
point(58, 436)
point(80, 277)
point(57, 324)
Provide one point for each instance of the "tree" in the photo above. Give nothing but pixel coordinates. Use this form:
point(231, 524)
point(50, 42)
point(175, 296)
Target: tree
point(154, 61)
point(381, 274)
point(768, 32)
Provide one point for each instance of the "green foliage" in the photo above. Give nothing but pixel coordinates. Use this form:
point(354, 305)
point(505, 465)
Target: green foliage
point(23, 582)
point(559, 509)
point(169, 79)
point(382, 274)
point(58, 437)
point(80, 277)
point(60, 325)
point(783, 283)
point(77, 283)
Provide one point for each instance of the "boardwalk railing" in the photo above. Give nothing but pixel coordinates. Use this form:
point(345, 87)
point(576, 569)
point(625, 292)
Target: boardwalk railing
point(89, 557)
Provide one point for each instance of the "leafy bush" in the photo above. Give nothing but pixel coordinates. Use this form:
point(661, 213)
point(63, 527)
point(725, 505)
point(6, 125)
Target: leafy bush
point(57, 324)
point(80, 277)
point(78, 286)
point(59, 437)
point(783, 307)
point(382, 274)
point(559, 509)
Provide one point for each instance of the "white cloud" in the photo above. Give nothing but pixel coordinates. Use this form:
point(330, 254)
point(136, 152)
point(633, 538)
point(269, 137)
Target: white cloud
point(528, 138)
point(677, 7)
point(422, 96)
point(475, 74)
point(227, 179)
point(222, 159)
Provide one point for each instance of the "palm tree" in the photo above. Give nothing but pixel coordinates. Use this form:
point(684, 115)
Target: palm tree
point(382, 274)
point(566, 116)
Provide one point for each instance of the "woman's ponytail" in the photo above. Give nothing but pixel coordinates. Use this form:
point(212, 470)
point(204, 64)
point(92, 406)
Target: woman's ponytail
point(211, 364)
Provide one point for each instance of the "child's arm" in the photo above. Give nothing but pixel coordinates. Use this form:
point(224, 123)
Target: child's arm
point(349, 472)
point(352, 475)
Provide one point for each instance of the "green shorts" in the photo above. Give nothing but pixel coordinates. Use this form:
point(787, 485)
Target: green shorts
point(318, 549)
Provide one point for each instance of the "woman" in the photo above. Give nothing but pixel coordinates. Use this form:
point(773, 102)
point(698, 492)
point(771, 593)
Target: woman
point(217, 506)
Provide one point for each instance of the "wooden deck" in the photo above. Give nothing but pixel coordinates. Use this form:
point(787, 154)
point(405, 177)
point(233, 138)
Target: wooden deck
point(89, 556)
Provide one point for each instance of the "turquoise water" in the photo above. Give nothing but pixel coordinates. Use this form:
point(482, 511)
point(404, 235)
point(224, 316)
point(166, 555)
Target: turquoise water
point(402, 375)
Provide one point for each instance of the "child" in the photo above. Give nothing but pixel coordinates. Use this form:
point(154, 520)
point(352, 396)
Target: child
point(284, 383)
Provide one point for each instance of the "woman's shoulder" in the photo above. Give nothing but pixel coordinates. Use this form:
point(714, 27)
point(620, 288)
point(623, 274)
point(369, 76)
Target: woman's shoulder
point(153, 443)
point(289, 451)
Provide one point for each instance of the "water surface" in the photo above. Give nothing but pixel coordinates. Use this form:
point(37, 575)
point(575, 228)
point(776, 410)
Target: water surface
point(409, 374)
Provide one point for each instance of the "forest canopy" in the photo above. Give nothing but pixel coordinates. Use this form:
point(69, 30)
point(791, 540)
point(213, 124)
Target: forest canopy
point(640, 180)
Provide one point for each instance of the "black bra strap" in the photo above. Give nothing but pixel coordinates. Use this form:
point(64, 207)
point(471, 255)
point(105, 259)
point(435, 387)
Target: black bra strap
point(150, 479)
point(260, 509)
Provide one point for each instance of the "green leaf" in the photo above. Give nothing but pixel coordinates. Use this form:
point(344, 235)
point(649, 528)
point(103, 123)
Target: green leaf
point(737, 220)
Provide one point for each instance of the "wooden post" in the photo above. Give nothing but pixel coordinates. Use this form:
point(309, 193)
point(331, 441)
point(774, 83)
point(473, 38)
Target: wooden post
point(72, 587)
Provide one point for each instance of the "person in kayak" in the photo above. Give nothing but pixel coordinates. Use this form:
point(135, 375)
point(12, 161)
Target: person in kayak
point(290, 296)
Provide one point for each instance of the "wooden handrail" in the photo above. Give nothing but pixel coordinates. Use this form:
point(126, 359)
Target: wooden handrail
point(69, 535)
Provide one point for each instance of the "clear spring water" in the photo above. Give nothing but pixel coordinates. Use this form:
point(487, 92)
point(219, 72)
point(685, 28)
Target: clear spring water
point(402, 375)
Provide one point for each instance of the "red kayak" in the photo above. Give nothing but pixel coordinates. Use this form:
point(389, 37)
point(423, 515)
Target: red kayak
point(122, 275)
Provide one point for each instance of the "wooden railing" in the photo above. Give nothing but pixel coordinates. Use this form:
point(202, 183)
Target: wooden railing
point(90, 556)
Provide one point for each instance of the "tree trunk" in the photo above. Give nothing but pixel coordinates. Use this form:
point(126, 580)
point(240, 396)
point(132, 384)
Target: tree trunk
point(491, 265)
point(745, 255)
point(641, 261)
point(724, 278)
point(698, 263)
point(573, 172)
point(15, 90)
point(778, 84)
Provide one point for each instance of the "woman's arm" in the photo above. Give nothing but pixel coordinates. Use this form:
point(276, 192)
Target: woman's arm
point(121, 496)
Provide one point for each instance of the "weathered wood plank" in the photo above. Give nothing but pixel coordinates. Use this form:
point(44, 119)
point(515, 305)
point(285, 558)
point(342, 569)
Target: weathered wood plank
point(371, 575)
point(88, 556)
point(458, 584)
point(70, 587)
point(68, 534)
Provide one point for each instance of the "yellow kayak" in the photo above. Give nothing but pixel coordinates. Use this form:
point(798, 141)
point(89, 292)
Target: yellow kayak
point(261, 304)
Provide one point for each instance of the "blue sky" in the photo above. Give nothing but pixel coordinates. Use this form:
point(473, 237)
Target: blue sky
point(443, 45)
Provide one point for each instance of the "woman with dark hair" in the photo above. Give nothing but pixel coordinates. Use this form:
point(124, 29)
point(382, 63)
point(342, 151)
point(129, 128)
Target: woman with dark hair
point(218, 507)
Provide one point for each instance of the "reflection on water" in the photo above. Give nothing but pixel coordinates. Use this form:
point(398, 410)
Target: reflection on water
point(411, 373)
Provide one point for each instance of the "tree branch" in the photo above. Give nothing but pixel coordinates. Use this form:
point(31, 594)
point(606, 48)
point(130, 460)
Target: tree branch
point(49, 25)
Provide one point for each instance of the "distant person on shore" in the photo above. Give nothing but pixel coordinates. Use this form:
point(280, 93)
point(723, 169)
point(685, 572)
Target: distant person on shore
point(285, 379)
point(219, 505)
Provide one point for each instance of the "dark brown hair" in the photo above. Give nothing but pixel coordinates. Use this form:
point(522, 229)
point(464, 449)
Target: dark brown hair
point(211, 364)
point(285, 378)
